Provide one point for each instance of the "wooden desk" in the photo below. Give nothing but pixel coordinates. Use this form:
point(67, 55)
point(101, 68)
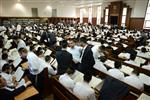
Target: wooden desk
point(29, 92)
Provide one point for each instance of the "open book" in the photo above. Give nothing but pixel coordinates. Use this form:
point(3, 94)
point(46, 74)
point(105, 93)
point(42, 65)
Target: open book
point(54, 63)
point(48, 52)
point(14, 54)
point(21, 83)
point(144, 97)
point(126, 69)
point(17, 62)
point(93, 83)
point(109, 63)
point(124, 55)
point(139, 60)
point(18, 73)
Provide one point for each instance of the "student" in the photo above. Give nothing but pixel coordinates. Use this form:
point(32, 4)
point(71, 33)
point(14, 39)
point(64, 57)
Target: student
point(99, 64)
point(6, 73)
point(8, 93)
point(75, 51)
point(3, 61)
point(87, 59)
point(51, 71)
point(36, 68)
point(83, 90)
point(65, 79)
point(134, 80)
point(63, 58)
point(115, 72)
point(20, 43)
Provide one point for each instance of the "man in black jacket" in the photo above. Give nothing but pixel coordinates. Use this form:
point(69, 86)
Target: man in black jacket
point(87, 59)
point(63, 58)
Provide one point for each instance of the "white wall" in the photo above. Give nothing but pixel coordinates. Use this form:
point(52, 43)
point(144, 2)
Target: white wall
point(23, 9)
point(66, 11)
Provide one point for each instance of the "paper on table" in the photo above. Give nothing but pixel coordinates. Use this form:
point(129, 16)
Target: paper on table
point(124, 55)
point(48, 52)
point(19, 73)
point(144, 97)
point(17, 62)
point(126, 69)
point(109, 63)
point(139, 60)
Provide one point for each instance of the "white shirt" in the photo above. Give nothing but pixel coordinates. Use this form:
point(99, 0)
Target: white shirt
point(134, 81)
point(8, 78)
point(100, 66)
point(146, 67)
point(76, 52)
point(84, 91)
point(2, 62)
point(116, 73)
point(50, 69)
point(21, 44)
point(36, 65)
point(67, 81)
point(95, 50)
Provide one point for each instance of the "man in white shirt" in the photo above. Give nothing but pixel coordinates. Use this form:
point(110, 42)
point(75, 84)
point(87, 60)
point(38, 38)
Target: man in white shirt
point(66, 80)
point(115, 72)
point(96, 49)
point(83, 90)
point(134, 80)
point(75, 51)
point(99, 64)
point(20, 43)
point(36, 68)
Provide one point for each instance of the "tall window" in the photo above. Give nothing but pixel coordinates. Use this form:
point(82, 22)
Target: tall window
point(106, 15)
point(99, 15)
point(90, 15)
point(147, 17)
point(124, 16)
point(81, 15)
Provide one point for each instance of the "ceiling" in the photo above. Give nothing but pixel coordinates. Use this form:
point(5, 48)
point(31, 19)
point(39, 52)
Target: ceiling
point(66, 2)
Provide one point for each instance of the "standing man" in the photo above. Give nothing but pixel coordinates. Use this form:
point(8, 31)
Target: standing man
point(87, 59)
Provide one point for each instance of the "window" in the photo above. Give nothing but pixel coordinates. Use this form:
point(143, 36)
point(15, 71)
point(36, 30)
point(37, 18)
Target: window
point(106, 15)
point(124, 16)
point(81, 15)
point(90, 15)
point(147, 17)
point(99, 15)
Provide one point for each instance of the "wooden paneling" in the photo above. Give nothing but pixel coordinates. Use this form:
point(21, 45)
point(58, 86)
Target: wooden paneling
point(136, 23)
point(94, 21)
point(85, 20)
point(67, 20)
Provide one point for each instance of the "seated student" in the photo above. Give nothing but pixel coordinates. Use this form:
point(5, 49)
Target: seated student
point(65, 79)
point(132, 58)
point(4, 51)
point(113, 89)
point(63, 58)
point(8, 93)
point(115, 72)
point(134, 80)
point(99, 64)
point(143, 53)
point(51, 71)
point(83, 90)
point(20, 43)
point(6, 73)
point(147, 67)
point(3, 61)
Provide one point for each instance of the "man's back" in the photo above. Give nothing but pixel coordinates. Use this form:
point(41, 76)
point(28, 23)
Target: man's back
point(64, 60)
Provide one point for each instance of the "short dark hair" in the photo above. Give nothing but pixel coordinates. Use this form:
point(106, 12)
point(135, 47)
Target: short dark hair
point(83, 39)
point(5, 67)
point(22, 50)
point(4, 56)
point(143, 49)
point(47, 58)
point(103, 59)
point(87, 77)
point(117, 64)
point(4, 49)
point(64, 43)
point(133, 56)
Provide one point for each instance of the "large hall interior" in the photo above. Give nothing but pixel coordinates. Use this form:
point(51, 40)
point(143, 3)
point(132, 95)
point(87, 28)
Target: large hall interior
point(74, 49)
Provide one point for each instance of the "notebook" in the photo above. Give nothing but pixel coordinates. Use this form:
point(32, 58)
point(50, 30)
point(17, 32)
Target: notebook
point(109, 63)
point(48, 52)
point(126, 69)
point(17, 62)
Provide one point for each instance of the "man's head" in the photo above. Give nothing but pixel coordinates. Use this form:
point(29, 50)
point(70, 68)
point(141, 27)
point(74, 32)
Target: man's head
point(2, 82)
point(87, 77)
point(47, 58)
point(82, 41)
point(23, 52)
point(7, 68)
point(64, 44)
point(71, 43)
point(5, 56)
point(118, 64)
